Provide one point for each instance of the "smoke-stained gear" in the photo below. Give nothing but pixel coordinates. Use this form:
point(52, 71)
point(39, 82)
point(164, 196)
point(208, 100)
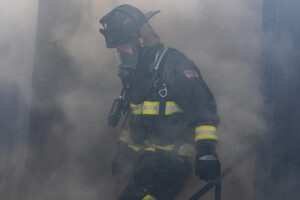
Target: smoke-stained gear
point(173, 115)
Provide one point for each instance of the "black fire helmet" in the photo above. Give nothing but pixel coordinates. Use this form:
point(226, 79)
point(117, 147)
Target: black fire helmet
point(121, 23)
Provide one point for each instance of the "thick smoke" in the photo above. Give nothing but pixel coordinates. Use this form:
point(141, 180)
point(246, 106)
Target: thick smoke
point(17, 43)
point(222, 37)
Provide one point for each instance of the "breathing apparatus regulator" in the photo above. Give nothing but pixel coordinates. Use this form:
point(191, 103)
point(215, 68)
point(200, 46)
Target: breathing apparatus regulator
point(121, 30)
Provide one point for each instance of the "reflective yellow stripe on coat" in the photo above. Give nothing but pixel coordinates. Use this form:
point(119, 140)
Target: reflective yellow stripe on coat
point(152, 108)
point(149, 197)
point(206, 132)
point(172, 107)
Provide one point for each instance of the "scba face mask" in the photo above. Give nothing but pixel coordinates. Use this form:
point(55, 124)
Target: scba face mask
point(128, 56)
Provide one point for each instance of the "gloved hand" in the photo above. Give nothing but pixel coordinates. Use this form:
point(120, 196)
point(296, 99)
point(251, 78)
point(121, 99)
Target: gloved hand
point(207, 167)
point(207, 164)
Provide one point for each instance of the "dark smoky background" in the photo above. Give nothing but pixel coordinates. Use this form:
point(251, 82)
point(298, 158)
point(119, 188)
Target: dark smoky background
point(74, 80)
point(17, 43)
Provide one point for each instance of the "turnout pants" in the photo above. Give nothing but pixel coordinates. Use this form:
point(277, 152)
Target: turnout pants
point(157, 176)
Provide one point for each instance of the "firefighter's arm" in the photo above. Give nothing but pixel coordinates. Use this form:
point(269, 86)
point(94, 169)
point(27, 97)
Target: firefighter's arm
point(200, 110)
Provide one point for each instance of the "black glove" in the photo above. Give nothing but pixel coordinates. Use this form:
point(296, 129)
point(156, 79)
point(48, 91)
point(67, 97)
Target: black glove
point(207, 167)
point(207, 164)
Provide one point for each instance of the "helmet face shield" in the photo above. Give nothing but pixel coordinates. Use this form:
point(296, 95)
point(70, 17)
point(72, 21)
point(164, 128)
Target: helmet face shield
point(113, 30)
point(108, 35)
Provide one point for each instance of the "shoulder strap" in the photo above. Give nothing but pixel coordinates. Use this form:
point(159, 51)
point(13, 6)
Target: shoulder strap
point(158, 62)
point(163, 92)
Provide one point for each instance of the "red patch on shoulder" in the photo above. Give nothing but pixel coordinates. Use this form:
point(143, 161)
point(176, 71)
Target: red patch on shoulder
point(191, 74)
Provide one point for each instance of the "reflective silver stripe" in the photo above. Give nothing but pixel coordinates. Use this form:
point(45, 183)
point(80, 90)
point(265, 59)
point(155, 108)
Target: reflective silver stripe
point(136, 107)
point(206, 132)
point(150, 108)
point(172, 108)
point(147, 108)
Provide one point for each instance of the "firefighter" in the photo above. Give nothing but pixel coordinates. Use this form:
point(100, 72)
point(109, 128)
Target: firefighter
point(172, 112)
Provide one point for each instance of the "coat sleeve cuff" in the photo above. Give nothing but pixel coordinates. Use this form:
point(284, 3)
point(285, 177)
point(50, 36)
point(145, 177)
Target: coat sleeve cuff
point(205, 132)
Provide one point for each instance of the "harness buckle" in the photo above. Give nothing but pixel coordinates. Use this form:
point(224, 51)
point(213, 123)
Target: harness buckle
point(163, 92)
